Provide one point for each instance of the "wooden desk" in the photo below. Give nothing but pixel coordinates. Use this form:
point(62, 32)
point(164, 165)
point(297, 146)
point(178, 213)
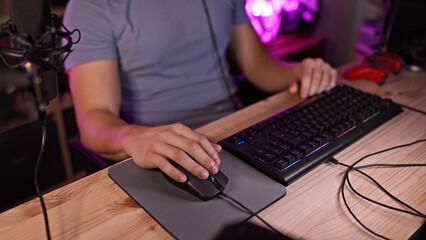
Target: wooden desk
point(96, 208)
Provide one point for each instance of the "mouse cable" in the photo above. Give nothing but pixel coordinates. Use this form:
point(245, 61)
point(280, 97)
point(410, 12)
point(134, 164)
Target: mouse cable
point(353, 168)
point(43, 120)
point(221, 193)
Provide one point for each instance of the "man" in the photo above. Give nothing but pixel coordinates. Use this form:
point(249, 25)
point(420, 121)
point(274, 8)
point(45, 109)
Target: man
point(145, 70)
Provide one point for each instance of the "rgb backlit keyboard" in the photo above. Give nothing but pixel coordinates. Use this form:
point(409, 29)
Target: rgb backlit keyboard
point(291, 143)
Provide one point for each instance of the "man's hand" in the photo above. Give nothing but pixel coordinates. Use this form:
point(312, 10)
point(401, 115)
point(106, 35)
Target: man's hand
point(314, 76)
point(154, 147)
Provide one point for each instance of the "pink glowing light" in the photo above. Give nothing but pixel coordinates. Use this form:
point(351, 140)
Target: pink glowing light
point(265, 16)
point(307, 16)
point(290, 5)
point(263, 9)
point(311, 5)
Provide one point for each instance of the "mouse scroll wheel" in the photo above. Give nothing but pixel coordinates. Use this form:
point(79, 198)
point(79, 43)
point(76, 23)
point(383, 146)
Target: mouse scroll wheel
point(211, 178)
point(216, 183)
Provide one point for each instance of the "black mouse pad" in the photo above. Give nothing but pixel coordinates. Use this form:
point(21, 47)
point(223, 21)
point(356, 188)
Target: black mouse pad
point(186, 217)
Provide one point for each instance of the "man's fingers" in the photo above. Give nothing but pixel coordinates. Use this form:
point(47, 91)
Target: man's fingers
point(195, 146)
point(325, 78)
point(306, 71)
point(199, 138)
point(182, 158)
point(317, 74)
point(218, 149)
point(162, 152)
point(333, 78)
point(293, 86)
point(179, 143)
point(165, 166)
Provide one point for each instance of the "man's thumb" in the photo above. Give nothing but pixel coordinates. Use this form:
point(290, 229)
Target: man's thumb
point(293, 87)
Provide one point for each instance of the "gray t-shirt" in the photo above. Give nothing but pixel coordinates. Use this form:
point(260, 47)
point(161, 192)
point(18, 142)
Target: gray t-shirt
point(168, 69)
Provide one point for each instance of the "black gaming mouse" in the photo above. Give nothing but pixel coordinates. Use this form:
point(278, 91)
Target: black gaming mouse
point(203, 189)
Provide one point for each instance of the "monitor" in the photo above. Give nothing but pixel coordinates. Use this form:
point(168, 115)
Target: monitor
point(405, 31)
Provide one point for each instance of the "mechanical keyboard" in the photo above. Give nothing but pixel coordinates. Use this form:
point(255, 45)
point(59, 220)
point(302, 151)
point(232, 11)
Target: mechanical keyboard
point(291, 143)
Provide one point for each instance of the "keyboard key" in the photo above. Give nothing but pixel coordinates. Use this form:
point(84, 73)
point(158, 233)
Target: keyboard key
point(268, 147)
point(285, 148)
point(296, 154)
point(281, 136)
point(301, 129)
point(308, 135)
point(267, 130)
point(294, 132)
point(250, 140)
point(280, 164)
point(327, 136)
point(235, 140)
point(289, 158)
point(321, 128)
point(296, 141)
point(305, 149)
point(313, 144)
point(278, 151)
point(259, 152)
point(320, 140)
point(314, 131)
point(268, 157)
point(334, 132)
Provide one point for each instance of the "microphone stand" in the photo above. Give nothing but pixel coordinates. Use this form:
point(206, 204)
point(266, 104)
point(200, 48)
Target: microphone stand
point(32, 71)
point(31, 52)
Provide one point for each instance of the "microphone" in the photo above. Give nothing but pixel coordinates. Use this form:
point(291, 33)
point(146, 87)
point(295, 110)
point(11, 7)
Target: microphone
point(30, 20)
point(33, 38)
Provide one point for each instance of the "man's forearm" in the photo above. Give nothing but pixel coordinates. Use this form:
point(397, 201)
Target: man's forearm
point(103, 133)
point(271, 75)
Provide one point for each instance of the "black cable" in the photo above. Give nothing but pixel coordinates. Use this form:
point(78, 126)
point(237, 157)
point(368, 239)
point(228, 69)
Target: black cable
point(353, 168)
point(412, 109)
point(234, 100)
point(415, 212)
point(386, 150)
point(36, 170)
point(353, 214)
point(251, 212)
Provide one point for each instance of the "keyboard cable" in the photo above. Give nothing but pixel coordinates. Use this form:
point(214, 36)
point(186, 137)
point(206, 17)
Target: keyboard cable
point(352, 167)
point(412, 109)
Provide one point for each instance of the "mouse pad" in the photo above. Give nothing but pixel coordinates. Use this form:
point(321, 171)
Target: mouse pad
point(186, 217)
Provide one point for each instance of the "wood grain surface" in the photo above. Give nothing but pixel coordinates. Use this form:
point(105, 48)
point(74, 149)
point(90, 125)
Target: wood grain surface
point(96, 208)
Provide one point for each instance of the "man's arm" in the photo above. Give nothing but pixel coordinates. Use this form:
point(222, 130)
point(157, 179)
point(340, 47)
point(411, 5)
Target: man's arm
point(95, 89)
point(269, 74)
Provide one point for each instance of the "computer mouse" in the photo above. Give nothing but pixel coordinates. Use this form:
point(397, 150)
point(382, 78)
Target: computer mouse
point(203, 189)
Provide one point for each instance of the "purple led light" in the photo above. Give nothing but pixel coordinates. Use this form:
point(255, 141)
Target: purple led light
point(290, 5)
point(262, 9)
point(307, 16)
point(311, 5)
point(265, 16)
